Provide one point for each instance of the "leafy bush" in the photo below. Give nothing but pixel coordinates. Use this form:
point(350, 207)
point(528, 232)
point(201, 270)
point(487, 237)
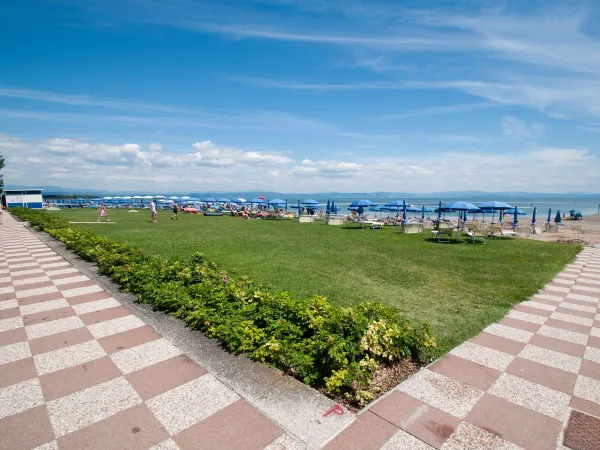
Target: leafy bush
point(323, 345)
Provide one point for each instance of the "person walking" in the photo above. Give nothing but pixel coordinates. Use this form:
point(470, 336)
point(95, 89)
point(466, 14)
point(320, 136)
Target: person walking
point(153, 213)
point(102, 211)
point(175, 215)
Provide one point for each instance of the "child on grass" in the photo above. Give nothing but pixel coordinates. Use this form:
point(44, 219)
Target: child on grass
point(102, 211)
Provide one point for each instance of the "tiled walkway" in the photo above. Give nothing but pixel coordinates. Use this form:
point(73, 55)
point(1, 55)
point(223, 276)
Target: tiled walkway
point(79, 370)
point(513, 386)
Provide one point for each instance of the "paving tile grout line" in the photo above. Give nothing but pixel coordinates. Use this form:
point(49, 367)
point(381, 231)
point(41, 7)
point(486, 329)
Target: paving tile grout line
point(263, 396)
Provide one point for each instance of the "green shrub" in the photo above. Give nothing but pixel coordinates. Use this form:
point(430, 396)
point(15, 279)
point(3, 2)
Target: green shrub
point(323, 345)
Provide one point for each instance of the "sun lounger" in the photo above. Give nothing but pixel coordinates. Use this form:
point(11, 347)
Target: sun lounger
point(499, 232)
point(579, 228)
point(443, 235)
point(334, 220)
point(477, 235)
point(306, 219)
point(374, 224)
point(412, 227)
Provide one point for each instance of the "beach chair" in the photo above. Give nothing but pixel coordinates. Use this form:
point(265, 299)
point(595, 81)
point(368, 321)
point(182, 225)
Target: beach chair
point(443, 234)
point(552, 228)
point(498, 232)
point(579, 228)
point(412, 227)
point(477, 235)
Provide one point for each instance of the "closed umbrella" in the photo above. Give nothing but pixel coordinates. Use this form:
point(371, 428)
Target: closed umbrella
point(423, 213)
point(516, 218)
point(299, 209)
point(557, 219)
point(404, 213)
point(549, 214)
point(328, 209)
point(440, 210)
point(533, 216)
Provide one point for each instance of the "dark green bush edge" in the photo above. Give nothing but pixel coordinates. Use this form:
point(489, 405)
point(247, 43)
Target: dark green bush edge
point(325, 346)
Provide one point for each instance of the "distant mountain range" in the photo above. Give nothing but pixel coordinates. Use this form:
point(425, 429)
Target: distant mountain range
point(470, 195)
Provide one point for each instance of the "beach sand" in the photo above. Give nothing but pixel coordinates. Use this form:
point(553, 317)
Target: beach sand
point(590, 237)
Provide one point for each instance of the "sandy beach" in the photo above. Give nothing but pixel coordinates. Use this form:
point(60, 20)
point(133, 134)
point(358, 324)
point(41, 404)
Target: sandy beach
point(589, 238)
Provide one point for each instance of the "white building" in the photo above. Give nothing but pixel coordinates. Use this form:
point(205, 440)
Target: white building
point(27, 198)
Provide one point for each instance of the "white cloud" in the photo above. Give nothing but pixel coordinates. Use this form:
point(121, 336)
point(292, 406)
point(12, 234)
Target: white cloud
point(327, 168)
point(155, 146)
point(223, 156)
point(562, 156)
point(519, 129)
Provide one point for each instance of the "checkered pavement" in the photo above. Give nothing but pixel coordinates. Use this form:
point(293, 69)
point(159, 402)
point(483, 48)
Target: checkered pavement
point(79, 370)
point(511, 387)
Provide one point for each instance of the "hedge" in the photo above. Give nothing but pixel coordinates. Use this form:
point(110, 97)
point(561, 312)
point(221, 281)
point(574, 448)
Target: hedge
point(324, 346)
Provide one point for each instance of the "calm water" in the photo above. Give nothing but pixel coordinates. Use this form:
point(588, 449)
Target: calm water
point(586, 207)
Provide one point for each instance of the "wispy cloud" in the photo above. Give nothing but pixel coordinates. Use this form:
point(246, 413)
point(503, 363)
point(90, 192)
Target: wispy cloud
point(440, 110)
point(88, 100)
point(519, 129)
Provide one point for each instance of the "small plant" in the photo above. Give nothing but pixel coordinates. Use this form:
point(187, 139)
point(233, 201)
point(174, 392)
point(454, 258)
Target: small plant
point(325, 346)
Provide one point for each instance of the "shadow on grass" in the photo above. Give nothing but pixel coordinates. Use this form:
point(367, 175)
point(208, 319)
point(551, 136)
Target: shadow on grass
point(452, 242)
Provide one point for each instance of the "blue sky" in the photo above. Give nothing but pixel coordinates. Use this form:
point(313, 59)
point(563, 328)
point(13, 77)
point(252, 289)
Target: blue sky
point(302, 95)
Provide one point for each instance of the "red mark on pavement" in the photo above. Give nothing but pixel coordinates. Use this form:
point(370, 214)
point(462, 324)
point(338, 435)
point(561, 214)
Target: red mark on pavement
point(335, 409)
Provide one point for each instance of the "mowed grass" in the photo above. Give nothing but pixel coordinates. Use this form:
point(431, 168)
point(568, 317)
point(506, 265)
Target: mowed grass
point(458, 288)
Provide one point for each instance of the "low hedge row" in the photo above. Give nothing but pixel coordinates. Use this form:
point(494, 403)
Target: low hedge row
point(323, 345)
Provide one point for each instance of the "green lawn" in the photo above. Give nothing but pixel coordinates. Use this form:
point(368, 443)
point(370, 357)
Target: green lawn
point(458, 288)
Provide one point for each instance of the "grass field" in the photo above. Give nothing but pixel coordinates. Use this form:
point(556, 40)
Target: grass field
point(458, 288)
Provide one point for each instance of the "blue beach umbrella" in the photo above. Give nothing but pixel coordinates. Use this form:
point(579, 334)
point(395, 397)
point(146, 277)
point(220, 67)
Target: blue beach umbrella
point(494, 206)
point(299, 209)
point(396, 204)
point(518, 211)
point(328, 209)
point(260, 201)
point(222, 200)
point(460, 206)
point(207, 200)
point(423, 213)
point(515, 217)
point(362, 203)
point(533, 216)
point(440, 210)
point(239, 200)
point(404, 212)
point(549, 214)
point(557, 219)
point(310, 202)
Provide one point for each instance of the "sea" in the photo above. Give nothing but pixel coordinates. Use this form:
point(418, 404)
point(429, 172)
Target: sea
point(586, 204)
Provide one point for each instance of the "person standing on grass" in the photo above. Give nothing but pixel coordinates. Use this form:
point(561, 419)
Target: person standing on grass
point(175, 215)
point(153, 213)
point(102, 211)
